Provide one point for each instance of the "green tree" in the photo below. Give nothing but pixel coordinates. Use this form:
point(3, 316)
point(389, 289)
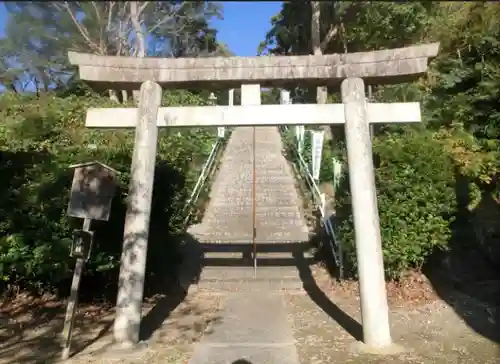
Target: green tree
point(40, 137)
point(39, 34)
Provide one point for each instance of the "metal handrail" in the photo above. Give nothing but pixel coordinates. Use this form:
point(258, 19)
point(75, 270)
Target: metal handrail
point(202, 178)
point(319, 205)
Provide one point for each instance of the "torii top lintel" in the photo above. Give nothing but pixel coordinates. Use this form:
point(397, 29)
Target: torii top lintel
point(388, 66)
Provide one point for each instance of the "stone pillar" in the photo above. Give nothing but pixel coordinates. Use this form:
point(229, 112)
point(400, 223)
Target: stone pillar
point(231, 97)
point(250, 94)
point(284, 97)
point(374, 307)
point(136, 231)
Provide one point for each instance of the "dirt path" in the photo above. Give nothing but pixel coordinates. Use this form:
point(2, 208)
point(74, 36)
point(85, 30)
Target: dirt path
point(324, 320)
point(32, 333)
point(326, 325)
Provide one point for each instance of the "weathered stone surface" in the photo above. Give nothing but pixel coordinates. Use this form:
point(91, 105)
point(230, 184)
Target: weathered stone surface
point(374, 307)
point(385, 66)
point(229, 216)
point(245, 322)
point(247, 274)
point(137, 218)
point(245, 354)
point(247, 115)
point(252, 327)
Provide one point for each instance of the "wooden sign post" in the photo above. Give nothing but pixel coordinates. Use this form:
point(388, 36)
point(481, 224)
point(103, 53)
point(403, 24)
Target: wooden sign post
point(92, 191)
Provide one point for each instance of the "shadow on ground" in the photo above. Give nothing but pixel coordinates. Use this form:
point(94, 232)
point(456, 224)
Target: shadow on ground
point(30, 330)
point(188, 273)
point(196, 250)
point(467, 276)
point(32, 334)
point(316, 294)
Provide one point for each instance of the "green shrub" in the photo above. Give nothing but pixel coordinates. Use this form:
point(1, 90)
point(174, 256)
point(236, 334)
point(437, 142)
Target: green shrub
point(39, 139)
point(416, 200)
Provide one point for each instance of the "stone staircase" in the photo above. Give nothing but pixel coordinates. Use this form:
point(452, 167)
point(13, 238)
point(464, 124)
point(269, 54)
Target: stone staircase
point(224, 237)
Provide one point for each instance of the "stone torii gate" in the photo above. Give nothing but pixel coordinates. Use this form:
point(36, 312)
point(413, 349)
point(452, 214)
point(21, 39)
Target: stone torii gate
point(352, 70)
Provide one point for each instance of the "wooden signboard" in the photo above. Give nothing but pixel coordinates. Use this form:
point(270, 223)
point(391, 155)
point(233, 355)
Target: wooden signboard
point(92, 191)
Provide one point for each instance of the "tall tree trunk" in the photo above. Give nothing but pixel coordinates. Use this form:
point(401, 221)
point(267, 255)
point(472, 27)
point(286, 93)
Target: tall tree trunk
point(321, 91)
point(135, 15)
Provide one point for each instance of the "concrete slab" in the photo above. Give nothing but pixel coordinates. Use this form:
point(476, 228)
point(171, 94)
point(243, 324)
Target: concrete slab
point(253, 327)
point(256, 319)
point(245, 355)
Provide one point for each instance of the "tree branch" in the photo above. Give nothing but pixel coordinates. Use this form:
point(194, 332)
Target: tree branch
point(84, 32)
point(334, 30)
point(134, 13)
point(315, 27)
point(167, 18)
point(110, 15)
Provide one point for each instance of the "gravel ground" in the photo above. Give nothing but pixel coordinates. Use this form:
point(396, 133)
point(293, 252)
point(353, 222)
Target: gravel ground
point(325, 323)
point(28, 337)
point(428, 330)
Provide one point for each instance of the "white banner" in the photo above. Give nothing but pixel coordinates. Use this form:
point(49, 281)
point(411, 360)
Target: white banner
point(316, 150)
point(337, 173)
point(300, 132)
point(285, 97)
point(221, 131)
point(323, 203)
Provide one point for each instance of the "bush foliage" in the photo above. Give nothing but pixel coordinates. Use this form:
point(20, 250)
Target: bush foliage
point(416, 200)
point(39, 139)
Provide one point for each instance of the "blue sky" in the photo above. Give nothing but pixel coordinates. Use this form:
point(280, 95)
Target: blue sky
point(3, 17)
point(244, 26)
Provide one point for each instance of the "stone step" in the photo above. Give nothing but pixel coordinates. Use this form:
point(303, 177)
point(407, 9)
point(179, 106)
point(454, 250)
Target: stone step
point(269, 256)
point(242, 237)
point(229, 217)
point(237, 212)
point(262, 182)
point(262, 201)
point(293, 246)
point(275, 202)
point(244, 223)
point(263, 213)
point(230, 191)
point(242, 273)
point(260, 160)
point(263, 207)
point(276, 165)
point(268, 234)
point(276, 168)
point(242, 279)
point(223, 228)
point(266, 196)
point(260, 170)
point(269, 251)
point(247, 286)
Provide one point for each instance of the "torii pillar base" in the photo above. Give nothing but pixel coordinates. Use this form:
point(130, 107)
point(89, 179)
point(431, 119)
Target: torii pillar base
point(374, 307)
